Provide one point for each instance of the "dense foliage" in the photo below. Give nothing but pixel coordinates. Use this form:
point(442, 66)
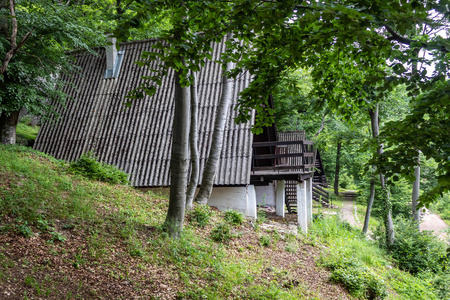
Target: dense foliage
point(45, 30)
point(417, 251)
point(89, 166)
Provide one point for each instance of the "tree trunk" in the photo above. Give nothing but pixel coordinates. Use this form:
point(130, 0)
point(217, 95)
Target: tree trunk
point(390, 234)
point(322, 125)
point(338, 167)
point(179, 161)
point(416, 183)
point(369, 206)
point(4, 4)
point(193, 138)
point(8, 125)
point(217, 139)
point(415, 192)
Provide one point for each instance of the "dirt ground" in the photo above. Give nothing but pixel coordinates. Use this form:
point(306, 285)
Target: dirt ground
point(429, 221)
point(434, 223)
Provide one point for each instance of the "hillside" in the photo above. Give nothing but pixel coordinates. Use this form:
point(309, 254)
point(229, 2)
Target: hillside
point(65, 237)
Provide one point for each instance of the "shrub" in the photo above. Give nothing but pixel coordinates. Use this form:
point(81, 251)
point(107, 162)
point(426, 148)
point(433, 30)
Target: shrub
point(88, 166)
point(24, 230)
point(234, 218)
point(265, 241)
point(201, 215)
point(221, 233)
point(417, 251)
point(441, 285)
point(360, 281)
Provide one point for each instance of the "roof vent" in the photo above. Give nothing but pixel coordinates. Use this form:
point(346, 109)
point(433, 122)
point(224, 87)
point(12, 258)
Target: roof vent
point(113, 59)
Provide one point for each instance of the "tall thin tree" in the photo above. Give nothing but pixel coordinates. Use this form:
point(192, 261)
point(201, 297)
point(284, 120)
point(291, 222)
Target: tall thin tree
point(390, 234)
point(215, 151)
point(179, 163)
point(193, 140)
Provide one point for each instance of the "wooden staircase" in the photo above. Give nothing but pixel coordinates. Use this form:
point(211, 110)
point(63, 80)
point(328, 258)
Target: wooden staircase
point(318, 194)
point(319, 177)
point(290, 197)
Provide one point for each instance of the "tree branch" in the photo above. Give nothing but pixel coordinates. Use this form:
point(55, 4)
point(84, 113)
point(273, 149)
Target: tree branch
point(321, 125)
point(14, 47)
point(396, 37)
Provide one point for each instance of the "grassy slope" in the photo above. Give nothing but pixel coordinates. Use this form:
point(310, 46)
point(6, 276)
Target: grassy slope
point(65, 237)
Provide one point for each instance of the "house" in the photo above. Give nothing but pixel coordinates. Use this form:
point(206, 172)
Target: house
point(138, 139)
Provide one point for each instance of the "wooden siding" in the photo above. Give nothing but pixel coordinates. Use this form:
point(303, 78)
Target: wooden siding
point(138, 139)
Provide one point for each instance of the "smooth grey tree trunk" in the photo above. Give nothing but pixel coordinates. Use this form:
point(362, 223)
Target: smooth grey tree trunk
point(217, 139)
point(193, 140)
point(390, 234)
point(8, 126)
point(369, 206)
point(416, 183)
point(415, 192)
point(179, 161)
point(338, 168)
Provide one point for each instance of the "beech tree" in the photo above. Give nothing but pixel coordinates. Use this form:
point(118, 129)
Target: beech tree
point(32, 54)
point(270, 38)
point(212, 161)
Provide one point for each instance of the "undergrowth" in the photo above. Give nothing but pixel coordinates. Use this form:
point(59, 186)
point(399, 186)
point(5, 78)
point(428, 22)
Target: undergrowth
point(219, 255)
point(89, 166)
point(365, 269)
point(122, 236)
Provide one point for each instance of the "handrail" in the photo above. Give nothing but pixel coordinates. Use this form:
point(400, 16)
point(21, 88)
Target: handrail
point(290, 156)
point(280, 143)
point(267, 156)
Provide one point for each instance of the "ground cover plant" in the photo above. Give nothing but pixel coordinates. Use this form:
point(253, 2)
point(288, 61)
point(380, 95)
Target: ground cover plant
point(26, 131)
point(364, 268)
point(63, 236)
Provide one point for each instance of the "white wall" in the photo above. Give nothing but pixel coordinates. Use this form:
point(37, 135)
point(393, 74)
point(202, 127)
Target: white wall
point(265, 194)
point(239, 198)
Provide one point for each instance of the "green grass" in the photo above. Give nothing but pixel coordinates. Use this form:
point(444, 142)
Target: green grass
point(442, 207)
point(26, 131)
point(26, 134)
point(41, 199)
point(116, 232)
point(349, 251)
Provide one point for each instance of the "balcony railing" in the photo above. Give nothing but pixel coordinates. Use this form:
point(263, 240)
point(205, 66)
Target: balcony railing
point(288, 156)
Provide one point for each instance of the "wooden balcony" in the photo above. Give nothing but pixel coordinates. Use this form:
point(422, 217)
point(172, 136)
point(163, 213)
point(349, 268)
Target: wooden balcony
point(277, 160)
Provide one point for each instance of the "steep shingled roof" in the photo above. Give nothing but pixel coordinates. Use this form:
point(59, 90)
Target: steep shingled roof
point(138, 139)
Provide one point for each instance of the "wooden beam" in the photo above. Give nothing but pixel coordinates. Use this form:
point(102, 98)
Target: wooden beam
point(279, 143)
point(267, 156)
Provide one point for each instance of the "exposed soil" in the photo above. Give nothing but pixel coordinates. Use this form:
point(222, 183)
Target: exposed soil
point(39, 269)
point(434, 223)
point(347, 212)
point(429, 221)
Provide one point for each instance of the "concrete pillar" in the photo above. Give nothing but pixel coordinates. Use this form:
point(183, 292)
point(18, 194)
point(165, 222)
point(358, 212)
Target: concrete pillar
point(309, 200)
point(301, 207)
point(280, 200)
point(251, 202)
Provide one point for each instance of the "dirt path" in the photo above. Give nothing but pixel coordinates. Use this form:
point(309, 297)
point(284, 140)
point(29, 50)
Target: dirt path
point(348, 210)
point(434, 223)
point(429, 221)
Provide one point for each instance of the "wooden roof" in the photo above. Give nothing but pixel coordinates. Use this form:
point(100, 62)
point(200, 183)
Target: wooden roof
point(138, 139)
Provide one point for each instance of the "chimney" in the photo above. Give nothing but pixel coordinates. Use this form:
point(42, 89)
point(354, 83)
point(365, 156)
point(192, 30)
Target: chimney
point(111, 53)
point(113, 58)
